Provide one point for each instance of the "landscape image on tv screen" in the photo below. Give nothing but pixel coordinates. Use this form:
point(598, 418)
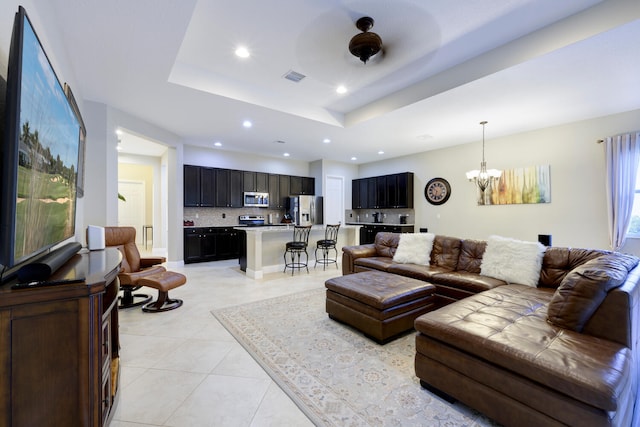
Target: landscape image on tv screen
point(47, 155)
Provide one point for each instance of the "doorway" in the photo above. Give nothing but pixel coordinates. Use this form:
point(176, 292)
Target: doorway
point(334, 200)
point(131, 212)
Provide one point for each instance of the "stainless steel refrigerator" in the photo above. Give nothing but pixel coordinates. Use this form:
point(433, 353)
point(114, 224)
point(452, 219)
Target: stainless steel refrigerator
point(305, 210)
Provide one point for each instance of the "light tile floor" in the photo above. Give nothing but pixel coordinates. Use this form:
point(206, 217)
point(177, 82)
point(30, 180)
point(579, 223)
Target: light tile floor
point(182, 367)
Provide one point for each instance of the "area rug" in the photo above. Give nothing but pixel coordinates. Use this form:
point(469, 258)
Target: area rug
point(336, 375)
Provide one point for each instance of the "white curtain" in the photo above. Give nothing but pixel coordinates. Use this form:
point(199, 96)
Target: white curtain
point(622, 153)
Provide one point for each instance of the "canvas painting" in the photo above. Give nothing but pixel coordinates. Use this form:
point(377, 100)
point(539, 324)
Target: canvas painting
point(518, 186)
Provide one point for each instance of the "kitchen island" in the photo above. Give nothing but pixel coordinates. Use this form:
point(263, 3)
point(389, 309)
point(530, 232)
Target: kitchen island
point(262, 248)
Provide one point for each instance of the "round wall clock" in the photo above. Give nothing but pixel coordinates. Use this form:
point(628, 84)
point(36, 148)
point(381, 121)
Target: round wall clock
point(437, 191)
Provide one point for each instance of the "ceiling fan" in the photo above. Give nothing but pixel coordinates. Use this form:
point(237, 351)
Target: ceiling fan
point(366, 44)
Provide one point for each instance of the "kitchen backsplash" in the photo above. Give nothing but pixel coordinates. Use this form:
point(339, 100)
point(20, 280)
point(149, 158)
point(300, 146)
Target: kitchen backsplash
point(389, 216)
point(222, 217)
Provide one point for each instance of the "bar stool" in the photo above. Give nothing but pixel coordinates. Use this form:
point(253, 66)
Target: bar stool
point(326, 244)
point(296, 247)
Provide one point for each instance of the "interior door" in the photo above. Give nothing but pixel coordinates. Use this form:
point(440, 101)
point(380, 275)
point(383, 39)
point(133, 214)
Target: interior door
point(334, 200)
point(132, 211)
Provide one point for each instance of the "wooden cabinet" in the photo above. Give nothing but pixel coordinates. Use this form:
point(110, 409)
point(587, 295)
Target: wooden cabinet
point(228, 188)
point(255, 181)
point(199, 186)
point(302, 185)
point(59, 347)
point(224, 188)
point(202, 244)
point(279, 187)
point(386, 191)
point(368, 232)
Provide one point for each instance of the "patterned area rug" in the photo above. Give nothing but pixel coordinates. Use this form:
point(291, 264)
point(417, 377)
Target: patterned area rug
point(336, 375)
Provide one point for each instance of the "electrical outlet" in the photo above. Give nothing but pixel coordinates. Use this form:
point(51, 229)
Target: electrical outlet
point(224, 215)
point(197, 216)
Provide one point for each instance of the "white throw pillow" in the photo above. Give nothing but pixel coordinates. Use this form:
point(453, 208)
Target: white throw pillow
point(514, 261)
point(414, 248)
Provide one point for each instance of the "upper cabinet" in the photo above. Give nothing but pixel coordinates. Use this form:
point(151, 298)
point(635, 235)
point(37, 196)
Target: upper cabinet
point(256, 181)
point(302, 185)
point(224, 188)
point(279, 189)
point(199, 186)
point(228, 188)
point(380, 192)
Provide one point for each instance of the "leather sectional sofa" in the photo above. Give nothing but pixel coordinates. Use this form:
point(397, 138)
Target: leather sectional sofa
point(564, 352)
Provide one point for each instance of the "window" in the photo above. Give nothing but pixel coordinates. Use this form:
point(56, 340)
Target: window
point(634, 224)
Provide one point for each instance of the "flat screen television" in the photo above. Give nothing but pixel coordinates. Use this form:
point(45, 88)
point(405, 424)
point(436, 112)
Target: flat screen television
point(39, 154)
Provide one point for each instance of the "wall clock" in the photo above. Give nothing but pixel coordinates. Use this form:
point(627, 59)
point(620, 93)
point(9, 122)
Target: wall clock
point(437, 191)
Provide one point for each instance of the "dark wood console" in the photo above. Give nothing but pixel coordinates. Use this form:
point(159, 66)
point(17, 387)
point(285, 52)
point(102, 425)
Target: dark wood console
point(59, 346)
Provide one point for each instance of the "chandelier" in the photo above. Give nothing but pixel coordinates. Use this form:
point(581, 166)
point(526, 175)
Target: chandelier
point(483, 177)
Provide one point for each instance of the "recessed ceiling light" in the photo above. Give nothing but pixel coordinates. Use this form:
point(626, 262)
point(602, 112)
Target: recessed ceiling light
point(341, 89)
point(242, 52)
point(354, 158)
point(286, 154)
point(380, 152)
point(247, 124)
point(119, 132)
point(218, 144)
point(326, 141)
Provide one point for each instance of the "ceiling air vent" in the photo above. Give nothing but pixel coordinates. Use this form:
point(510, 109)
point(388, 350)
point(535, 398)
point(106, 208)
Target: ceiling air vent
point(294, 76)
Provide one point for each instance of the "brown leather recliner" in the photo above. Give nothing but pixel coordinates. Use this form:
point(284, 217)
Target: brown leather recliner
point(134, 267)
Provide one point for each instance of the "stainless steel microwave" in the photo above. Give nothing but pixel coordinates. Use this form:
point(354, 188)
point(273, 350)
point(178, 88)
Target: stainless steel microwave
point(252, 198)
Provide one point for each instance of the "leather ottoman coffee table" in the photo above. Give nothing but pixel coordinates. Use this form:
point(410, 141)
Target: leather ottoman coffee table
point(380, 305)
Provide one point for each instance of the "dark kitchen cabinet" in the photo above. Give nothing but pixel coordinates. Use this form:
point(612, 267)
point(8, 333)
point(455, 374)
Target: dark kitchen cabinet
point(256, 181)
point(386, 191)
point(301, 185)
point(279, 187)
point(203, 244)
point(372, 197)
point(227, 244)
point(359, 193)
point(199, 186)
point(228, 188)
point(368, 232)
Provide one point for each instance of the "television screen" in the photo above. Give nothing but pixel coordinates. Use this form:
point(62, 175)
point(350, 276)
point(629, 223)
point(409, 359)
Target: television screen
point(39, 153)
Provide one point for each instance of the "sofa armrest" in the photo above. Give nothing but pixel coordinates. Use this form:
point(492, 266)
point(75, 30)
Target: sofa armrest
point(618, 317)
point(351, 253)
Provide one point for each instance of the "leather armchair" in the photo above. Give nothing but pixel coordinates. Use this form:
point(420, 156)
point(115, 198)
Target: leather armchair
point(134, 267)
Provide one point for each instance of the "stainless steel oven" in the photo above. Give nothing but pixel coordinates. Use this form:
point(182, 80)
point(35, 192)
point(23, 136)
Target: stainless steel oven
point(252, 198)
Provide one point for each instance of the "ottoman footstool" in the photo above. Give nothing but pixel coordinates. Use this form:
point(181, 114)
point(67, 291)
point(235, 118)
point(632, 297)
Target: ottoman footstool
point(163, 282)
point(380, 305)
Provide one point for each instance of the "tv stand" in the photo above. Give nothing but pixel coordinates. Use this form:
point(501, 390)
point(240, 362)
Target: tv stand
point(59, 346)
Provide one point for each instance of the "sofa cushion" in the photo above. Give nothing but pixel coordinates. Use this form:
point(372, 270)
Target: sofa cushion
point(471, 282)
point(414, 248)
point(445, 252)
point(471, 252)
point(558, 262)
point(386, 244)
point(381, 263)
point(585, 287)
point(416, 271)
point(512, 260)
point(507, 326)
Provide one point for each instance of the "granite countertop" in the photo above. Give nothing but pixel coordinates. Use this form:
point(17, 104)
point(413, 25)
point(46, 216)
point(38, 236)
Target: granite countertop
point(274, 228)
point(380, 223)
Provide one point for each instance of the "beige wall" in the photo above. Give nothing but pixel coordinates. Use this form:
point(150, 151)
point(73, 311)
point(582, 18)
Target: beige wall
point(577, 214)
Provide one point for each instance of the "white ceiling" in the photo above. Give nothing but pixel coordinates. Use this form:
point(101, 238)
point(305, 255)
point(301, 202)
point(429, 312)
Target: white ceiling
point(446, 65)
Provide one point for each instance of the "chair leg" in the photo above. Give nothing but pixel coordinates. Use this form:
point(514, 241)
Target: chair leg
point(163, 303)
point(128, 298)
